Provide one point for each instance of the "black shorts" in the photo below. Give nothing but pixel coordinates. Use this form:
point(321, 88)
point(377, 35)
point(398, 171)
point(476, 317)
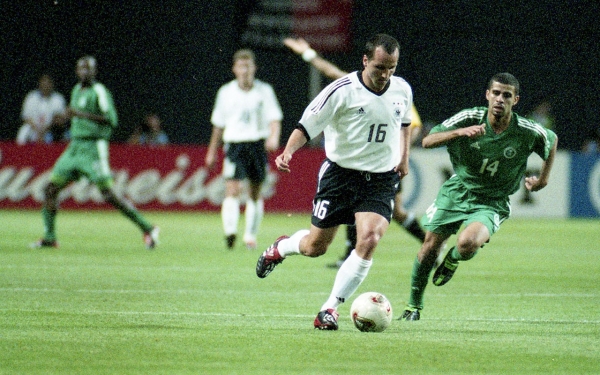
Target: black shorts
point(246, 160)
point(342, 192)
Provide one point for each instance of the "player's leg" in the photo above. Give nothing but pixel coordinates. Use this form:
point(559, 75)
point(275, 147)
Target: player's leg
point(230, 210)
point(312, 243)
point(62, 174)
point(256, 166)
point(124, 206)
point(92, 161)
point(441, 220)
point(422, 267)
point(49, 211)
point(478, 229)
point(407, 219)
point(254, 214)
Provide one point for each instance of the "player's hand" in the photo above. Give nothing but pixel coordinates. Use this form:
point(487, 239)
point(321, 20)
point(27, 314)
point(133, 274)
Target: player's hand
point(297, 45)
point(401, 169)
point(282, 162)
point(534, 184)
point(473, 131)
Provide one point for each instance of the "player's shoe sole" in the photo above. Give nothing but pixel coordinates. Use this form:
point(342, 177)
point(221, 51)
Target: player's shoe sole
point(326, 320)
point(269, 259)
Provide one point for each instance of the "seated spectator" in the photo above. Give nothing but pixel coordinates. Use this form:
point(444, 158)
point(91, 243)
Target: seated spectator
point(42, 110)
point(149, 132)
point(591, 144)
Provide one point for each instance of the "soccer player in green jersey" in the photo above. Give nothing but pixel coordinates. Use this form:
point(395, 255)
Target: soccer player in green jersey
point(488, 149)
point(93, 118)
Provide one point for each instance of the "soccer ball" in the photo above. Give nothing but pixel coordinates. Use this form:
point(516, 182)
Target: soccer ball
point(371, 312)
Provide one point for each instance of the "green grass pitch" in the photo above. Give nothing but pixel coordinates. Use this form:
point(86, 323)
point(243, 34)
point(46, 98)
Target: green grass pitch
point(528, 303)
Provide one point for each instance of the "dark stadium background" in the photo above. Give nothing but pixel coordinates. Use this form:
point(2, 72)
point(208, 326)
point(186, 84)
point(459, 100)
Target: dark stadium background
point(171, 56)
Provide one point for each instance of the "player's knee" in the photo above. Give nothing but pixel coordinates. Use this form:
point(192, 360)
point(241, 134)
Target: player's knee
point(368, 241)
point(468, 245)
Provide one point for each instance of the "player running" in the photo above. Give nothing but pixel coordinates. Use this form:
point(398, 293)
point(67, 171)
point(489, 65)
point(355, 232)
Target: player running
point(488, 148)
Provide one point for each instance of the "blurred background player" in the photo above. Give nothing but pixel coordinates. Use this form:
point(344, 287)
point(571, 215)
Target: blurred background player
point(247, 119)
point(43, 109)
point(403, 217)
point(93, 118)
point(489, 148)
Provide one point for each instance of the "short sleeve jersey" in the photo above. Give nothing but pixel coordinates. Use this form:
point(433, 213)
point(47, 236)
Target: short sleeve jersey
point(245, 115)
point(95, 99)
point(361, 127)
point(42, 109)
point(492, 165)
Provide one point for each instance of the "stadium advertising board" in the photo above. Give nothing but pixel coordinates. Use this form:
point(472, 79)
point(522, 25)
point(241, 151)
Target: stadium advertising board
point(174, 178)
point(585, 185)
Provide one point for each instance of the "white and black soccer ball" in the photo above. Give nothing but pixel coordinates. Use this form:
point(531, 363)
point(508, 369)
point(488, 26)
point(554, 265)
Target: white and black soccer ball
point(371, 312)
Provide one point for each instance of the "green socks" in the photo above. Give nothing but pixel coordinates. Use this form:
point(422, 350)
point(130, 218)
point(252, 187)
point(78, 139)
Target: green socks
point(418, 282)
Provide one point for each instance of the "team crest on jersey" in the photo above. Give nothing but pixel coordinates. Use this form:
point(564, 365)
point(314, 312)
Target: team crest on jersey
point(510, 152)
point(399, 109)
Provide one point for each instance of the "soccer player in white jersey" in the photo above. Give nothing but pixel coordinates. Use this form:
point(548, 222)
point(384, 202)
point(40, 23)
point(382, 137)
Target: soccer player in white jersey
point(407, 219)
point(247, 118)
point(365, 118)
point(489, 148)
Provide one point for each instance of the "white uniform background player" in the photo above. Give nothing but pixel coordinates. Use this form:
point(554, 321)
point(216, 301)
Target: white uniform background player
point(42, 108)
point(247, 118)
point(365, 118)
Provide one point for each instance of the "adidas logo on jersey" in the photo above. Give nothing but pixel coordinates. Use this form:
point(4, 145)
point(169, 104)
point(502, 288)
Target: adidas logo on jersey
point(361, 111)
point(475, 145)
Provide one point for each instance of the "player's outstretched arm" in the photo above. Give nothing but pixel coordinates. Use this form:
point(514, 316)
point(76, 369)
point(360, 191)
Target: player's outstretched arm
point(302, 48)
point(441, 138)
point(534, 183)
point(295, 142)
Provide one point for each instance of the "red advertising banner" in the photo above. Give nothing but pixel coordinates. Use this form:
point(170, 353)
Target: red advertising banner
point(153, 178)
point(325, 24)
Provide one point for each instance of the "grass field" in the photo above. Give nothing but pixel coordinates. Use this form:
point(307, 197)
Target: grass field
point(529, 303)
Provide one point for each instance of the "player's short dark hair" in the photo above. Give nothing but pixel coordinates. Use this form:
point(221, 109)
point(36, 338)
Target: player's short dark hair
point(244, 54)
point(387, 42)
point(505, 79)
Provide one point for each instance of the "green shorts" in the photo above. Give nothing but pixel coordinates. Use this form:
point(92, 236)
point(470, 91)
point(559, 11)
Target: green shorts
point(455, 205)
point(83, 158)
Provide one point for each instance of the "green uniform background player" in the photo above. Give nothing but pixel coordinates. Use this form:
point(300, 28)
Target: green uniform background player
point(488, 148)
point(93, 118)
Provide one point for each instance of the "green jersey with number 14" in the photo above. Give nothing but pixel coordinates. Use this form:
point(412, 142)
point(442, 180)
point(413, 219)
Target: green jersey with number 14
point(494, 164)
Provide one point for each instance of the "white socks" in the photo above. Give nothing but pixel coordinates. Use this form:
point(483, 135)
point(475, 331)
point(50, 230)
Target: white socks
point(349, 277)
point(254, 215)
point(291, 246)
point(230, 214)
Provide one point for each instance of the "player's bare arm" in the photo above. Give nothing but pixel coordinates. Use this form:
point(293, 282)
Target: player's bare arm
point(441, 138)
point(296, 141)
point(535, 183)
point(215, 142)
point(402, 167)
point(272, 143)
point(300, 46)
